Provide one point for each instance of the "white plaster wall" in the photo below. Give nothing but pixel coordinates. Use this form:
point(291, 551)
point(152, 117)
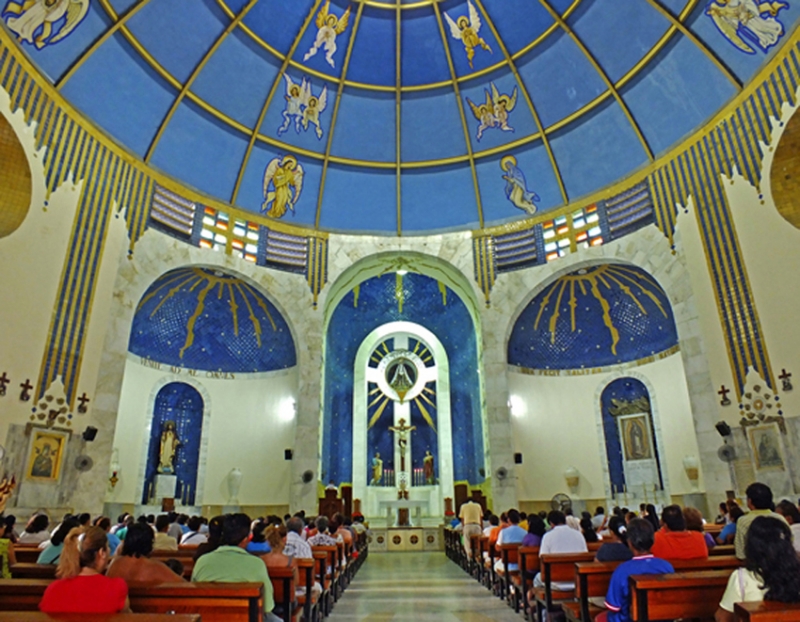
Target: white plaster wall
point(555, 426)
point(249, 423)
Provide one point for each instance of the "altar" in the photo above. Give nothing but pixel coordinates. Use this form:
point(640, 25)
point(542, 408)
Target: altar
point(393, 508)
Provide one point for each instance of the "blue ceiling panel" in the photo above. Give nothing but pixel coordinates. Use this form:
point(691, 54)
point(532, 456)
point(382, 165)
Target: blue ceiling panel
point(438, 198)
point(121, 6)
point(520, 119)
point(237, 78)
point(289, 128)
point(423, 60)
point(365, 127)
point(618, 33)
point(675, 6)
point(658, 97)
point(559, 78)
point(743, 65)
point(561, 6)
point(176, 42)
point(430, 124)
point(318, 60)
point(540, 178)
point(135, 98)
point(199, 149)
point(518, 22)
point(595, 151)
point(251, 194)
point(373, 59)
point(483, 58)
point(278, 22)
point(56, 59)
point(360, 199)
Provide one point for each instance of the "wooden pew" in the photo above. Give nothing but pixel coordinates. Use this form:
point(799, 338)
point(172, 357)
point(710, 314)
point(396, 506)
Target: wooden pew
point(509, 554)
point(48, 571)
point(26, 554)
point(723, 549)
point(767, 612)
point(557, 568)
point(37, 616)
point(283, 588)
point(310, 603)
point(680, 595)
point(215, 602)
point(592, 580)
point(529, 566)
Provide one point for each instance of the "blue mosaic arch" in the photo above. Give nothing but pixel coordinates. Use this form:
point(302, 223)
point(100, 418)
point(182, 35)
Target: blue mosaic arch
point(207, 319)
point(594, 317)
point(425, 301)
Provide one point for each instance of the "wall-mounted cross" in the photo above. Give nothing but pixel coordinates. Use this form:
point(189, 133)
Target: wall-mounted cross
point(724, 393)
point(4, 380)
point(83, 401)
point(26, 386)
point(785, 377)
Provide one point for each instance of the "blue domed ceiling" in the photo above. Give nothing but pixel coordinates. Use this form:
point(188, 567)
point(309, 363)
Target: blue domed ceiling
point(407, 116)
point(594, 317)
point(206, 319)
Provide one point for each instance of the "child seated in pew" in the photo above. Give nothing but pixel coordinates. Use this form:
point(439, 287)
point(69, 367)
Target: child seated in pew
point(640, 535)
point(615, 542)
point(771, 572)
point(81, 586)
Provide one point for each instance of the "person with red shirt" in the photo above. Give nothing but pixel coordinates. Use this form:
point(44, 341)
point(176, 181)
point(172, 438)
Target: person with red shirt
point(81, 586)
point(672, 541)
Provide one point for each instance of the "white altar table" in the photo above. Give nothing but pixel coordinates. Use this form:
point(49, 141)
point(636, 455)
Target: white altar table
point(405, 504)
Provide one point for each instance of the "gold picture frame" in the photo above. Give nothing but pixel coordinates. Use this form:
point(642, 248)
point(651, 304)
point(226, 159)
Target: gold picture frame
point(46, 454)
point(636, 438)
point(765, 442)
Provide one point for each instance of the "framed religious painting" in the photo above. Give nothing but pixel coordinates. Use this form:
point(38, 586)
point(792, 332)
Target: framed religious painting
point(765, 443)
point(636, 439)
point(46, 454)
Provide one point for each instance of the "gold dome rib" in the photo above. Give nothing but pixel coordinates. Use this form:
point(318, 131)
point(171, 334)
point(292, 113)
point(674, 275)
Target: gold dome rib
point(275, 85)
point(460, 102)
point(97, 43)
point(529, 100)
point(193, 76)
point(335, 114)
point(603, 75)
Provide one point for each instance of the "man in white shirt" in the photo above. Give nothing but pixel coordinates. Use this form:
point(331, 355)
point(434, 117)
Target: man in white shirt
point(295, 545)
point(560, 539)
point(599, 519)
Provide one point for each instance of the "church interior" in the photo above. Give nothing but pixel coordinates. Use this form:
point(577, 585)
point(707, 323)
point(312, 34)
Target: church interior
point(416, 251)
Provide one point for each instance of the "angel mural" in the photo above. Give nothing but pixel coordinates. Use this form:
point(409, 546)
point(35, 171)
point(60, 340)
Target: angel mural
point(34, 21)
point(302, 106)
point(748, 21)
point(494, 111)
point(283, 183)
point(517, 187)
point(329, 25)
point(465, 29)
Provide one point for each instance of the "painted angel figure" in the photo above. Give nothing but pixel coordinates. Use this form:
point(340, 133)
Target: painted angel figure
point(502, 105)
point(294, 104)
point(33, 20)
point(283, 183)
point(328, 27)
point(747, 19)
point(517, 187)
point(314, 106)
point(465, 29)
point(484, 113)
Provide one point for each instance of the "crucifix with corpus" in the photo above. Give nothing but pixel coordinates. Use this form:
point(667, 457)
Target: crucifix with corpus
point(401, 432)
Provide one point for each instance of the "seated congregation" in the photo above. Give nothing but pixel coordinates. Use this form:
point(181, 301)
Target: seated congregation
point(634, 567)
point(228, 568)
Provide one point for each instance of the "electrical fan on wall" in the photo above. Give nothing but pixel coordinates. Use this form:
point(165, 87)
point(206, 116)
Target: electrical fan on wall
point(561, 502)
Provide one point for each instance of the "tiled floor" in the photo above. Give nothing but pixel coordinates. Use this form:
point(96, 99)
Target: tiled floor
point(418, 587)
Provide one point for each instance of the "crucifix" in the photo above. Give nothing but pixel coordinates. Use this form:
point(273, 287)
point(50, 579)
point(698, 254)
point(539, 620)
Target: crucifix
point(26, 387)
point(724, 393)
point(784, 377)
point(83, 401)
point(4, 380)
point(401, 430)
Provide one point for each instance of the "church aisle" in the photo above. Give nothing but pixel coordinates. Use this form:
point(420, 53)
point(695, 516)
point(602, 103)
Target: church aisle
point(418, 587)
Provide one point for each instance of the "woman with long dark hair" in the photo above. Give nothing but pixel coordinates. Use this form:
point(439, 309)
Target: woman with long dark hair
point(771, 572)
point(615, 543)
point(652, 516)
